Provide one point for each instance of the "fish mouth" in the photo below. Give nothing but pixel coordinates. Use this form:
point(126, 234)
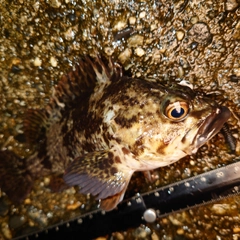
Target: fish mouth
point(211, 125)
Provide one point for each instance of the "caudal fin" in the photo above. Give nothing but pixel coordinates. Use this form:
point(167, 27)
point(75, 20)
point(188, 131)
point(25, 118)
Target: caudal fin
point(15, 181)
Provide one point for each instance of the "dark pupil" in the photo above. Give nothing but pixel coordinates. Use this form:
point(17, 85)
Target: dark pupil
point(177, 114)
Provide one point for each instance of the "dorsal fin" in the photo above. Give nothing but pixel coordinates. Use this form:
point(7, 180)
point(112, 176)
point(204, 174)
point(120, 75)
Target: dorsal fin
point(88, 72)
point(77, 83)
point(35, 124)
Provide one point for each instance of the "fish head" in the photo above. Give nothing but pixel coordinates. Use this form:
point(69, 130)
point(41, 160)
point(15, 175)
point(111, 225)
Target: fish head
point(197, 116)
point(175, 122)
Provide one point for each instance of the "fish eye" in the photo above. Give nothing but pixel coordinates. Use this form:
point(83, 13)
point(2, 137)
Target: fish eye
point(177, 110)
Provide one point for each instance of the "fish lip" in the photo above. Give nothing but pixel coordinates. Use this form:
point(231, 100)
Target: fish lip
point(212, 125)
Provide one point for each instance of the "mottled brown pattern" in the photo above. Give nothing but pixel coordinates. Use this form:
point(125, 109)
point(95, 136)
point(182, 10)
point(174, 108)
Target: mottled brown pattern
point(117, 159)
point(126, 122)
point(161, 149)
point(113, 170)
point(104, 164)
point(100, 126)
point(125, 151)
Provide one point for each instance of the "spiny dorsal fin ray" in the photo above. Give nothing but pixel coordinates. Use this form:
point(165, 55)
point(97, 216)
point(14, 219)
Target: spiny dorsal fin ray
point(101, 174)
point(87, 74)
point(79, 83)
point(35, 124)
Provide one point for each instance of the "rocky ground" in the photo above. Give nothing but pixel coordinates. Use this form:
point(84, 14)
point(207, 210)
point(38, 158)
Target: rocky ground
point(170, 40)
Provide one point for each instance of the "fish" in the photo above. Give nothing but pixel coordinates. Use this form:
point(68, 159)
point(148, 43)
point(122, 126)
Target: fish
point(102, 125)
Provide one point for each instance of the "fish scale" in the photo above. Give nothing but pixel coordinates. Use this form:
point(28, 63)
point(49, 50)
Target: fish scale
point(101, 126)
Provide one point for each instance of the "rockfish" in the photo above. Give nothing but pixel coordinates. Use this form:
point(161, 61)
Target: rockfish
point(101, 126)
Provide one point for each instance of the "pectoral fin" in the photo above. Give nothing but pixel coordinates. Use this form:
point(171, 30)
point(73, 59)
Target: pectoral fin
point(111, 202)
point(103, 174)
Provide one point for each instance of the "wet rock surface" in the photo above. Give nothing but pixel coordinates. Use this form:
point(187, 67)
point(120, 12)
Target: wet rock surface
point(170, 40)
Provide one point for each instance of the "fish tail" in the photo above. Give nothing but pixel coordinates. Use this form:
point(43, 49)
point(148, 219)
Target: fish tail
point(15, 180)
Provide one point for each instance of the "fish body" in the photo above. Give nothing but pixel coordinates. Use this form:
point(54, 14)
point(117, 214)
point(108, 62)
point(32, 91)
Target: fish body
point(101, 126)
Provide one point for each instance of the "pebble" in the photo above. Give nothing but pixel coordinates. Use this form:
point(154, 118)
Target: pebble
point(231, 5)
point(142, 14)
point(53, 61)
point(39, 217)
point(194, 20)
point(46, 181)
point(16, 221)
point(141, 232)
point(120, 25)
point(236, 34)
point(132, 20)
point(70, 34)
point(139, 52)
point(180, 35)
point(236, 229)
point(6, 231)
point(37, 62)
point(109, 51)
point(235, 237)
point(118, 235)
point(220, 209)
point(180, 231)
point(153, 26)
point(70, 191)
point(27, 201)
point(180, 72)
point(54, 3)
point(175, 221)
point(125, 55)
point(154, 236)
point(74, 205)
point(15, 61)
point(138, 74)
point(200, 33)
point(135, 40)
